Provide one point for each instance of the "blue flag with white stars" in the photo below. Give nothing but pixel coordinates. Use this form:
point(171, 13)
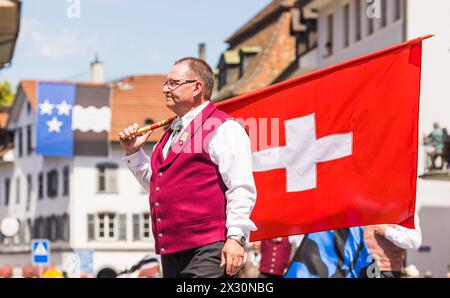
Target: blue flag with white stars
point(54, 119)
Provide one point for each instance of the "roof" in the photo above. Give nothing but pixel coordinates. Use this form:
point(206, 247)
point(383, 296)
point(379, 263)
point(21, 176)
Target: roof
point(3, 119)
point(274, 57)
point(267, 12)
point(9, 29)
point(133, 99)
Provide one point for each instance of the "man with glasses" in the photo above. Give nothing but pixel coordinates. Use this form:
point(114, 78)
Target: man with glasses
point(199, 178)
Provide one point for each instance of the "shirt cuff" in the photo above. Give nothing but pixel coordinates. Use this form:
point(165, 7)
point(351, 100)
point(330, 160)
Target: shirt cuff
point(232, 231)
point(390, 234)
point(136, 159)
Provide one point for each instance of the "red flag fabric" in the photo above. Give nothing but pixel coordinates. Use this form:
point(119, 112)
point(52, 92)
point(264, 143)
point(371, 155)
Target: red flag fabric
point(338, 147)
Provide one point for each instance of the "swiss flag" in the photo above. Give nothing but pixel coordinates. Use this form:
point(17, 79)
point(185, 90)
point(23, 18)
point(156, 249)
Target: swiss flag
point(346, 153)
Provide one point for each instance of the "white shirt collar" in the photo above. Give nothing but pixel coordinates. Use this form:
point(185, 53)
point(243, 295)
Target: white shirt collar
point(189, 116)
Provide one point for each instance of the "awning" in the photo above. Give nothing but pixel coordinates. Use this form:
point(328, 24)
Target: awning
point(9, 29)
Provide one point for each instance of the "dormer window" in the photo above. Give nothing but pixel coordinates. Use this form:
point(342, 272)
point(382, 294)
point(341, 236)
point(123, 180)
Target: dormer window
point(247, 55)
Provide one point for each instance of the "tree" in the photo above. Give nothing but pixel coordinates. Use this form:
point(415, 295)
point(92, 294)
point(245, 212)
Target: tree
point(6, 94)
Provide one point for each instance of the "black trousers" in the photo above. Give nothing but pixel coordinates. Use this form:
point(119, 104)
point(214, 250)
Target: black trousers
point(267, 275)
point(194, 263)
point(391, 274)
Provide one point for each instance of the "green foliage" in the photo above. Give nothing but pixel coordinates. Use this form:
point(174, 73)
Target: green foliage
point(6, 94)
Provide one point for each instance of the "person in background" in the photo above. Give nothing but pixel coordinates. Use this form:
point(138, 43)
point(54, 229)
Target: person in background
point(437, 139)
point(388, 243)
point(275, 256)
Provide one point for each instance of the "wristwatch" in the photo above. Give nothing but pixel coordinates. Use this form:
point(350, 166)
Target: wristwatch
point(239, 238)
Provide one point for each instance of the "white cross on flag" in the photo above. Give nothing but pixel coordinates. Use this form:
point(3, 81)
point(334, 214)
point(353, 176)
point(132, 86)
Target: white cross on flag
point(342, 150)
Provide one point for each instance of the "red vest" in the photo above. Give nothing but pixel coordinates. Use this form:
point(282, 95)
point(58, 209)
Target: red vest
point(275, 254)
point(187, 194)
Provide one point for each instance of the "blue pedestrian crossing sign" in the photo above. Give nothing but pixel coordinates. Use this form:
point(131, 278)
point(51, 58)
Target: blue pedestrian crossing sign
point(40, 250)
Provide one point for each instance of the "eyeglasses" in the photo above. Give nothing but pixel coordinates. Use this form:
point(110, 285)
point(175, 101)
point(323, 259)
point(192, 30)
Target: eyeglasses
point(173, 84)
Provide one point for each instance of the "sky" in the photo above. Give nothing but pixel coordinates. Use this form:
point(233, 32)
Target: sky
point(59, 38)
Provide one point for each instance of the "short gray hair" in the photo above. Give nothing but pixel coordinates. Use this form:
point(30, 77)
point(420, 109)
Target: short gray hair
point(203, 70)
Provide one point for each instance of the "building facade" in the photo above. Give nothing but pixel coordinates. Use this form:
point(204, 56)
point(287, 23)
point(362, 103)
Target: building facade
point(90, 203)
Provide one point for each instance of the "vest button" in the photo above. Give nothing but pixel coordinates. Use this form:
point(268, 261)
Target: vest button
point(157, 188)
point(158, 219)
point(160, 174)
point(156, 204)
point(163, 249)
point(160, 235)
point(273, 259)
point(271, 270)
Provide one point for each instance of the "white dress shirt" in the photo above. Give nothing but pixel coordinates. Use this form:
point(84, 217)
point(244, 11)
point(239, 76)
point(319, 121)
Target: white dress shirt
point(403, 237)
point(229, 148)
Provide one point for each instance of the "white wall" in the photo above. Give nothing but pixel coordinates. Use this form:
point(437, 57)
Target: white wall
point(381, 38)
point(432, 17)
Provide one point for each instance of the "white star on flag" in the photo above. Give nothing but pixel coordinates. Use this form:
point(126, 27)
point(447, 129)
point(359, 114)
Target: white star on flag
point(46, 107)
point(54, 125)
point(64, 108)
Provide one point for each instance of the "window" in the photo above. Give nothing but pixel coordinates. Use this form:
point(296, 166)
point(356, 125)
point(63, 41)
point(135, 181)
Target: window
point(358, 13)
point(141, 227)
point(398, 10)
point(107, 226)
point(346, 25)
point(66, 184)
point(41, 186)
point(29, 189)
point(383, 13)
point(65, 233)
point(39, 229)
point(247, 56)
point(146, 226)
point(52, 184)
point(28, 108)
point(17, 190)
point(19, 141)
point(123, 227)
point(107, 178)
point(29, 140)
point(52, 227)
point(329, 42)
point(370, 19)
point(222, 76)
point(7, 190)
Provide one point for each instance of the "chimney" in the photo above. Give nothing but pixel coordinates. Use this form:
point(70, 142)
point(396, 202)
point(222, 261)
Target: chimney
point(201, 51)
point(97, 71)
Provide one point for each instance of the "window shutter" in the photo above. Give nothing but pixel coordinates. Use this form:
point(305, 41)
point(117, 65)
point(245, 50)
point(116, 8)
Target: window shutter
point(136, 232)
point(111, 179)
point(101, 179)
point(91, 227)
point(123, 227)
point(66, 231)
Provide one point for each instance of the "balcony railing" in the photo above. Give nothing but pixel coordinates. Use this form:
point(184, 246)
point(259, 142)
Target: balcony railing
point(437, 162)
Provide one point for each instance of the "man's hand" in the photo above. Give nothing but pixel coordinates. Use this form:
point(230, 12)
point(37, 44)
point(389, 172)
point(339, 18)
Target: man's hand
point(232, 256)
point(130, 142)
point(381, 229)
